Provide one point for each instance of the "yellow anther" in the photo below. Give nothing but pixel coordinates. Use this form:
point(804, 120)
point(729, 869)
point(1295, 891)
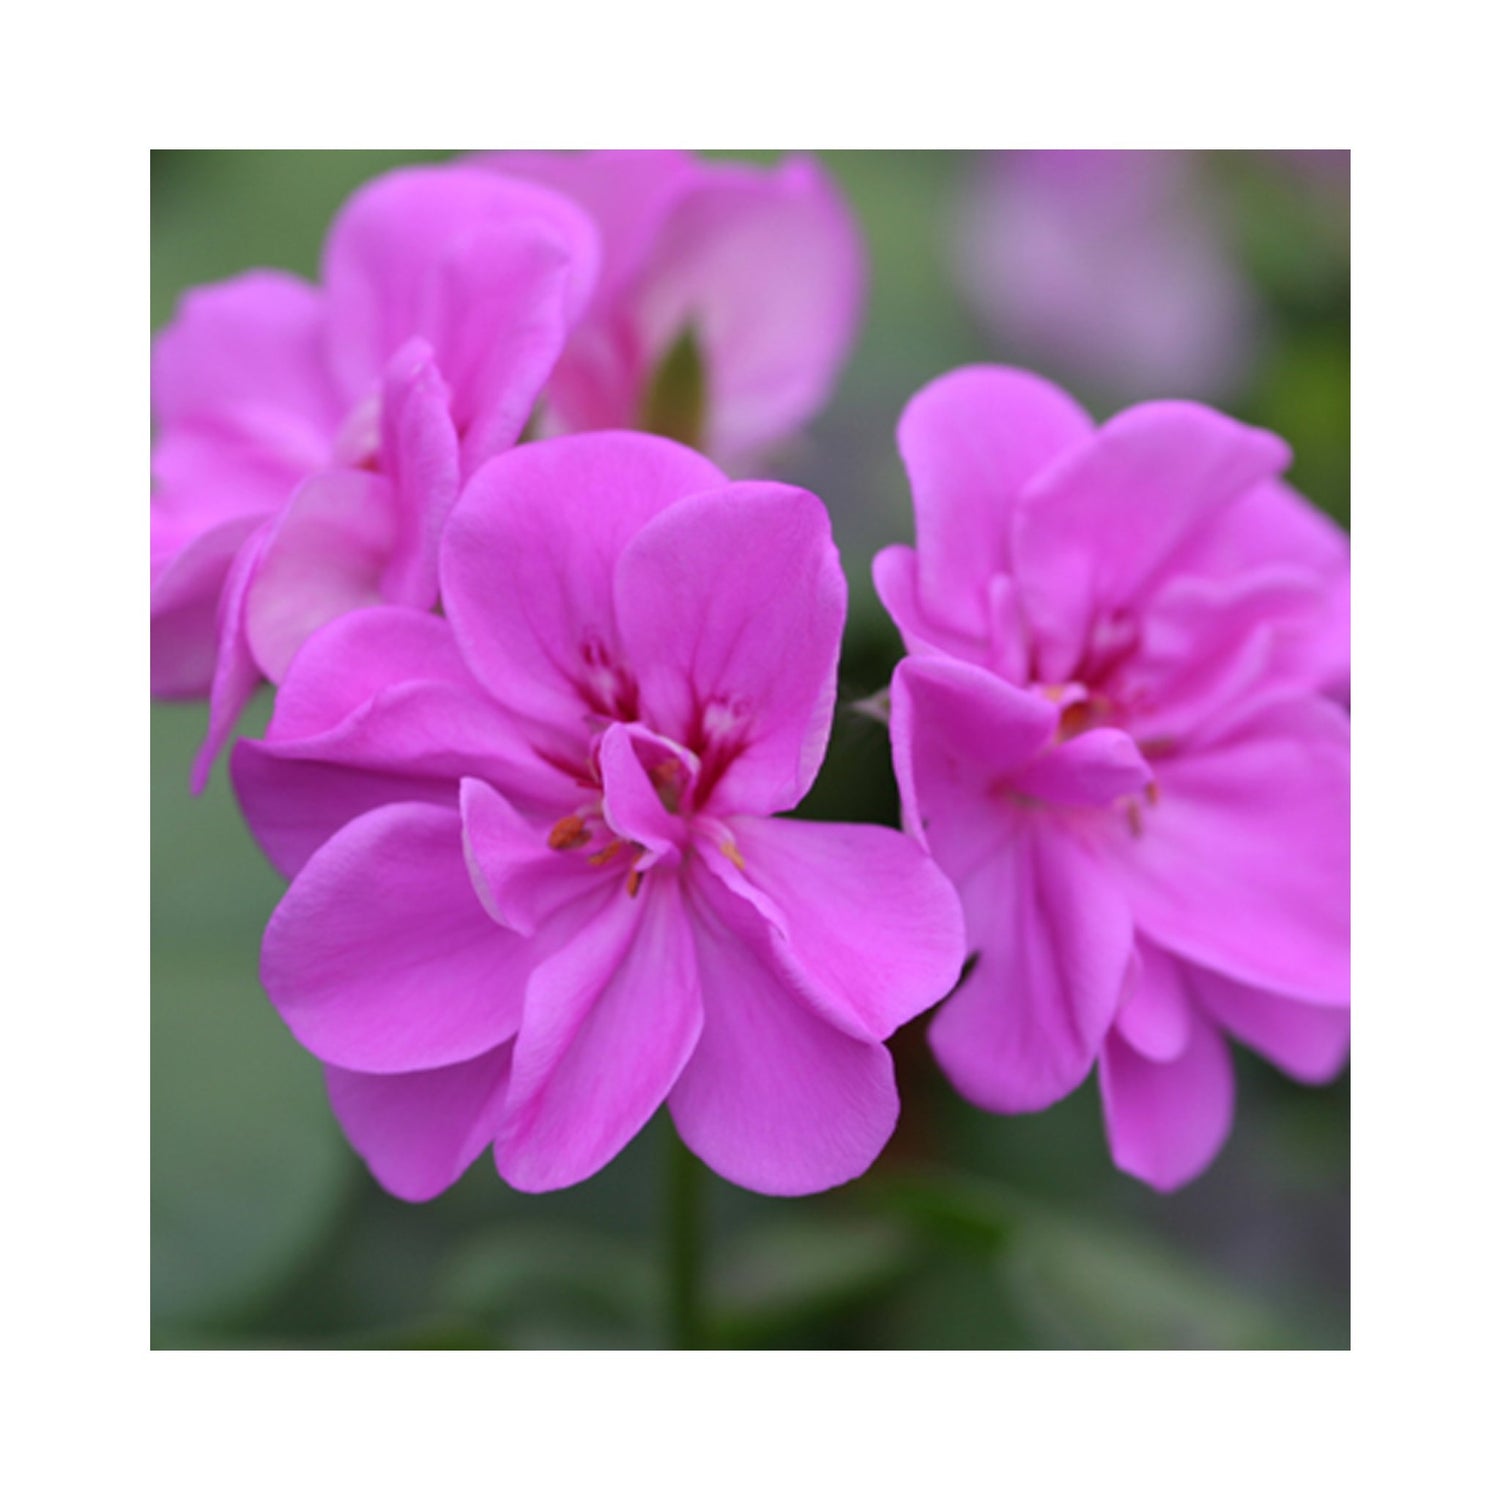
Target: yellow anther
point(732, 854)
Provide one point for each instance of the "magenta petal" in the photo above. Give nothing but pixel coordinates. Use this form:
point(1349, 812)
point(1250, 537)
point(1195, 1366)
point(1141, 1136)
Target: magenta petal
point(419, 454)
point(1054, 944)
point(521, 879)
point(767, 270)
point(236, 675)
point(1166, 1121)
point(1242, 866)
point(774, 1098)
point(731, 606)
point(1311, 1042)
point(255, 341)
point(1157, 1016)
point(867, 918)
point(185, 608)
point(1091, 770)
point(386, 253)
point(419, 1132)
point(610, 1020)
point(1093, 531)
point(529, 558)
point(324, 557)
point(638, 770)
point(381, 957)
point(970, 440)
point(958, 737)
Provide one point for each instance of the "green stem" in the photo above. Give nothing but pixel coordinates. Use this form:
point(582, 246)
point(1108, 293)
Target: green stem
point(684, 1246)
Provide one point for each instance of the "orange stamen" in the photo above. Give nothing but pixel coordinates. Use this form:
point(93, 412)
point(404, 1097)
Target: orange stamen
point(607, 853)
point(729, 850)
point(633, 882)
point(568, 833)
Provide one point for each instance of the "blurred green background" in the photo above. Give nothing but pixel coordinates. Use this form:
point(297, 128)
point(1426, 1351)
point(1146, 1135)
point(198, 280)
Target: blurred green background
point(972, 1231)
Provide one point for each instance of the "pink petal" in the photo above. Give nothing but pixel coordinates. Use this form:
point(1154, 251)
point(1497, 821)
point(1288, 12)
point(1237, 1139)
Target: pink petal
point(324, 557)
point(185, 607)
point(254, 342)
point(731, 606)
point(959, 735)
point(923, 634)
point(419, 454)
point(633, 798)
point(1311, 1042)
point(1093, 769)
point(1157, 1016)
point(767, 270)
point(419, 1132)
point(381, 958)
point(610, 1020)
point(867, 921)
point(1242, 866)
point(236, 675)
point(1054, 943)
point(522, 879)
point(387, 249)
point(1166, 1121)
point(970, 440)
point(1093, 531)
point(528, 566)
point(774, 1098)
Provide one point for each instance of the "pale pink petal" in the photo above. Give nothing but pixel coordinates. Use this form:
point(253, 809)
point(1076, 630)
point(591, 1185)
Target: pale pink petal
point(923, 634)
point(1242, 864)
point(209, 470)
point(1054, 942)
point(381, 957)
point(610, 1020)
point(731, 607)
point(255, 342)
point(970, 440)
point(774, 1098)
point(528, 567)
point(419, 1132)
point(864, 918)
point(185, 608)
point(1093, 532)
point(1156, 1018)
point(1166, 1121)
point(959, 736)
point(324, 557)
point(1311, 1042)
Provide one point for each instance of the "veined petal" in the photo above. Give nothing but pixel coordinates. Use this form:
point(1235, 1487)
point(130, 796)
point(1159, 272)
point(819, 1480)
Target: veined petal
point(868, 919)
point(959, 735)
point(773, 1099)
point(610, 1020)
point(1242, 864)
point(970, 440)
point(730, 608)
point(528, 567)
point(1054, 942)
point(1166, 1121)
point(1094, 531)
point(381, 957)
point(419, 1132)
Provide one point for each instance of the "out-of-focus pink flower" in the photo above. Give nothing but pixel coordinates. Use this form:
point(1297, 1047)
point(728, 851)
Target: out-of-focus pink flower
point(1110, 268)
point(311, 440)
point(538, 885)
point(1115, 732)
point(764, 269)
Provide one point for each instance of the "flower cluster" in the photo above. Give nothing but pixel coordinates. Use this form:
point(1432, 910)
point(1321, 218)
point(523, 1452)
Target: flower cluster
point(546, 677)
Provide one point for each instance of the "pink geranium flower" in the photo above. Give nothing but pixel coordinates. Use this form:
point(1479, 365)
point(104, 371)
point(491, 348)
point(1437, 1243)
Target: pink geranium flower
point(311, 440)
point(1114, 733)
point(539, 888)
point(764, 269)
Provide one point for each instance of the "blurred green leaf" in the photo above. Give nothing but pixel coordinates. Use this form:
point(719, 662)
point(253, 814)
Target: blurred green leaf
point(677, 399)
